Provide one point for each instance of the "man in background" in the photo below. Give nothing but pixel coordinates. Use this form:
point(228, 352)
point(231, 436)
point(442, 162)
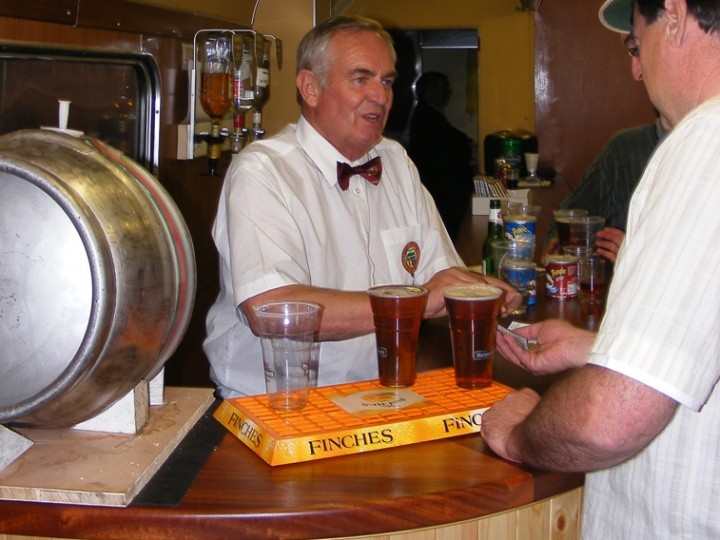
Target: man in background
point(442, 152)
point(607, 186)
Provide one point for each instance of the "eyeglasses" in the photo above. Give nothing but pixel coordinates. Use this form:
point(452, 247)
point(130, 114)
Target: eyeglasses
point(630, 43)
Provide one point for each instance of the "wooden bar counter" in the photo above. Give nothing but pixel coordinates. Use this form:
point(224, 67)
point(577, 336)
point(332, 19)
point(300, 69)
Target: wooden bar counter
point(454, 488)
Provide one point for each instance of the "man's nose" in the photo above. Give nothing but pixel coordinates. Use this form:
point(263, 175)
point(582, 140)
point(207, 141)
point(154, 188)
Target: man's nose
point(636, 68)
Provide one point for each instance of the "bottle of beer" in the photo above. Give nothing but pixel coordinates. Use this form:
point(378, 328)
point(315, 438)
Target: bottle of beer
point(494, 234)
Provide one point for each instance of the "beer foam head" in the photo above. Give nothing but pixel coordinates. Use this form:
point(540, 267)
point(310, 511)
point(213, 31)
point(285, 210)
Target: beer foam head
point(397, 291)
point(473, 292)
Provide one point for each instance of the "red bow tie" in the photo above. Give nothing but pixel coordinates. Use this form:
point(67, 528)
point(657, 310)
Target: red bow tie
point(370, 171)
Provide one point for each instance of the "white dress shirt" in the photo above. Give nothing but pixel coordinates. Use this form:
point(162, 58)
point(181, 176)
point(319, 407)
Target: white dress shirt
point(282, 220)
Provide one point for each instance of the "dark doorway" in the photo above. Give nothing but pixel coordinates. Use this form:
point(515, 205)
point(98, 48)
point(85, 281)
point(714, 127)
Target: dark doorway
point(453, 52)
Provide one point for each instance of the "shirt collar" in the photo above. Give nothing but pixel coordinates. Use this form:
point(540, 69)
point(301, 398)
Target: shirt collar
point(323, 154)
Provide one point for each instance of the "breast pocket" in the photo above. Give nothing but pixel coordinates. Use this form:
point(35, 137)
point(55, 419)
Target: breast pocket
point(402, 249)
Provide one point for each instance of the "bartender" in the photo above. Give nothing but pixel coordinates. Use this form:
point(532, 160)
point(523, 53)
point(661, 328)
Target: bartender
point(292, 224)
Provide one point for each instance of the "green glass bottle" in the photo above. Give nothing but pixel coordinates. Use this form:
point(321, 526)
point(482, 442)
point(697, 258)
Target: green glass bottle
point(512, 152)
point(494, 233)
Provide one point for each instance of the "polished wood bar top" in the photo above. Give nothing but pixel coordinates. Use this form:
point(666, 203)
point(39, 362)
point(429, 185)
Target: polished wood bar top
point(236, 494)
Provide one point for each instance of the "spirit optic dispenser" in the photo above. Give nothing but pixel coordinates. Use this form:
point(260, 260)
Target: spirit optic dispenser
point(230, 76)
point(216, 90)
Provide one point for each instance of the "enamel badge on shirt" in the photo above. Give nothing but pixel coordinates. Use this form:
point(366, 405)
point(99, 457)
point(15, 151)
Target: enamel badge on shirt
point(411, 258)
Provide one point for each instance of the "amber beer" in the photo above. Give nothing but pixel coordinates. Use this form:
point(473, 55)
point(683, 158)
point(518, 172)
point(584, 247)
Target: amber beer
point(397, 311)
point(472, 313)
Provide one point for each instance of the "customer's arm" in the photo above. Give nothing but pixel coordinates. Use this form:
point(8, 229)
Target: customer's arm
point(594, 418)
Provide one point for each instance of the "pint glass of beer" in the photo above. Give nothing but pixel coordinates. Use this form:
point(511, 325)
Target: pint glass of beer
point(397, 311)
point(472, 313)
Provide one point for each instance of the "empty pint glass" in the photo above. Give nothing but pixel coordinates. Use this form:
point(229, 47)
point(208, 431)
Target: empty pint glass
point(287, 331)
point(397, 311)
point(584, 229)
point(472, 312)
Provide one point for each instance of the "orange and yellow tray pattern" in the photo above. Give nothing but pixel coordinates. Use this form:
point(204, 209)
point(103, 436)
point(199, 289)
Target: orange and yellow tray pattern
point(322, 429)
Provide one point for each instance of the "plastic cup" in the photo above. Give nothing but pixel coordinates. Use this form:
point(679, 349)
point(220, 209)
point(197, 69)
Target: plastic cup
point(518, 249)
point(397, 311)
point(514, 261)
point(583, 230)
point(472, 313)
point(314, 364)
point(287, 331)
point(519, 208)
point(562, 219)
point(520, 272)
point(579, 252)
point(591, 274)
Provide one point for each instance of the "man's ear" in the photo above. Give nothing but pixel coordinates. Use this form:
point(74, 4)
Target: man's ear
point(675, 21)
point(308, 87)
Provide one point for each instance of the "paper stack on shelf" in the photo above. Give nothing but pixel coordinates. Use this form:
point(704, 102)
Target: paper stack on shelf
point(488, 187)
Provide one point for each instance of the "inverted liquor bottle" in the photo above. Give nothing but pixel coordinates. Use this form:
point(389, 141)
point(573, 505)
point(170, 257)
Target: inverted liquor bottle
point(216, 91)
point(262, 84)
point(245, 66)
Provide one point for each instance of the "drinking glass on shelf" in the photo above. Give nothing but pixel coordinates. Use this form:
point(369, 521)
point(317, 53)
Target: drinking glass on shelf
point(531, 163)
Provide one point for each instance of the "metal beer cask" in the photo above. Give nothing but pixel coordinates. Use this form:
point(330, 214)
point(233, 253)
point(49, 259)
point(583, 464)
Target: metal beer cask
point(97, 277)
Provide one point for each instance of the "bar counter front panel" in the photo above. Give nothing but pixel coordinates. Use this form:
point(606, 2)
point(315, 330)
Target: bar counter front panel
point(453, 488)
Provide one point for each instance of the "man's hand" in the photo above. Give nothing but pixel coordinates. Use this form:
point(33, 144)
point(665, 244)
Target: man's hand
point(553, 246)
point(559, 346)
point(608, 242)
point(503, 417)
point(458, 276)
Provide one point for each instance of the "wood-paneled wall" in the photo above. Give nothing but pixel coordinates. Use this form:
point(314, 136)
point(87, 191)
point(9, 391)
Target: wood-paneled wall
point(584, 92)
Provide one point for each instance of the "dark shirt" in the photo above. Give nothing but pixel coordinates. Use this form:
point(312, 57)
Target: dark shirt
point(442, 154)
point(609, 183)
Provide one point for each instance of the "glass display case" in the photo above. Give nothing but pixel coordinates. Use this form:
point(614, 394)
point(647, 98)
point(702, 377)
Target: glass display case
point(113, 96)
